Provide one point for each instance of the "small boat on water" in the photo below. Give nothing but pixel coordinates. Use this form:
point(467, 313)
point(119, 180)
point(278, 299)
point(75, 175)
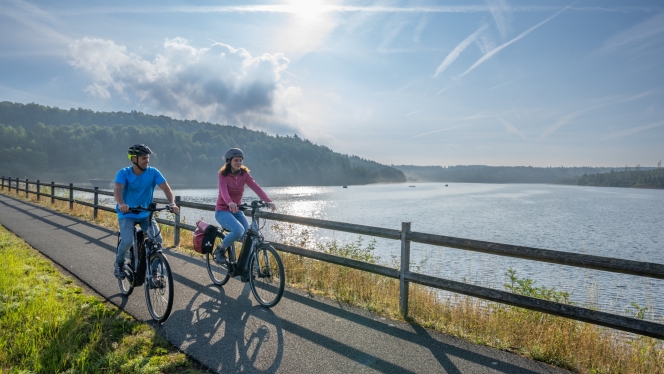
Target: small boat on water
point(411, 186)
point(445, 185)
point(345, 186)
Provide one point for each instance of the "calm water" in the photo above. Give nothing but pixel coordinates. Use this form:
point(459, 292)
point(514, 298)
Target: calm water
point(612, 222)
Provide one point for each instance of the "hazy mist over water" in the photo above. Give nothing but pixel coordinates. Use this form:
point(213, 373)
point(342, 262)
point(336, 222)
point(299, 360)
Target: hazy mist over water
point(611, 222)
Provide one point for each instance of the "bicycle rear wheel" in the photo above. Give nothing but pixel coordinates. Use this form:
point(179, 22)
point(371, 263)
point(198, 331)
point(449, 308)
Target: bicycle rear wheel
point(127, 283)
point(267, 278)
point(159, 287)
point(217, 264)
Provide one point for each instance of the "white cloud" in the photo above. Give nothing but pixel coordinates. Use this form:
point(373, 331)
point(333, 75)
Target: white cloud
point(452, 56)
point(217, 83)
point(98, 90)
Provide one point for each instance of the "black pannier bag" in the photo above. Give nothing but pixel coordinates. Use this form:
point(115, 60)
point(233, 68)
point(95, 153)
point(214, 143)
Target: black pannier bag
point(208, 239)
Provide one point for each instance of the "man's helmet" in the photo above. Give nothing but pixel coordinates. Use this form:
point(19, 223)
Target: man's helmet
point(233, 152)
point(138, 150)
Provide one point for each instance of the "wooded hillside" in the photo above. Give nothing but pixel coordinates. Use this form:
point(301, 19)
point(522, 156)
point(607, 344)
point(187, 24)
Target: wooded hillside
point(76, 145)
point(495, 174)
point(631, 178)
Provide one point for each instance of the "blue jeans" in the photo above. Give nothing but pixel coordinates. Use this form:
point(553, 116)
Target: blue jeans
point(236, 223)
point(127, 234)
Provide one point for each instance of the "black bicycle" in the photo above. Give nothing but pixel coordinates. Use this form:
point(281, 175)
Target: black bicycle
point(147, 254)
point(258, 262)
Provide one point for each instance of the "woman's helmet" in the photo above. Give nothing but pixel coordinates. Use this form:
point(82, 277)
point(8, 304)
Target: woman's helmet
point(138, 150)
point(233, 152)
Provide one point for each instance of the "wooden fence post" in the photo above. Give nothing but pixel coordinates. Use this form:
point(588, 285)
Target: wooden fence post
point(3, 182)
point(71, 196)
point(405, 267)
point(38, 192)
point(52, 193)
point(17, 185)
point(96, 202)
point(176, 228)
point(26, 188)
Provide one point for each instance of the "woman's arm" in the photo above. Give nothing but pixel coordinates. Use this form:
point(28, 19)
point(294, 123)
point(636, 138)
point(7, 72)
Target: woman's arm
point(259, 191)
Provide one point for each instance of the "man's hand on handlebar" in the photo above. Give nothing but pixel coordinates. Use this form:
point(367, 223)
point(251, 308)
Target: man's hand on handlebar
point(174, 208)
point(124, 208)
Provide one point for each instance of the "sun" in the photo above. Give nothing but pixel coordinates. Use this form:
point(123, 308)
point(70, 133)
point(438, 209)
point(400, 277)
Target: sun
point(306, 9)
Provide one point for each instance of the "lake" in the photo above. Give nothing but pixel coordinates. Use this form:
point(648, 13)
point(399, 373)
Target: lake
point(611, 222)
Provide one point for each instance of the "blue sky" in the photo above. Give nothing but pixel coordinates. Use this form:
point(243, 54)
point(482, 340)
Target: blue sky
point(496, 82)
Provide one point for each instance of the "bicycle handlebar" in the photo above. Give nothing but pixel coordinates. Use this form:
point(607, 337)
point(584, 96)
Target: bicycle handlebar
point(151, 208)
point(256, 204)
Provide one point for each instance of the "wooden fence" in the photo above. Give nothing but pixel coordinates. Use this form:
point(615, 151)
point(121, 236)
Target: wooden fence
point(406, 236)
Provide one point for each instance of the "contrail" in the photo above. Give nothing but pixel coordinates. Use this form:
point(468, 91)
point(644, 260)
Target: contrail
point(634, 130)
point(435, 131)
point(510, 127)
point(523, 34)
point(457, 50)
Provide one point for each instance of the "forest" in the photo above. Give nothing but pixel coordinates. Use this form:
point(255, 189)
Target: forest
point(629, 178)
point(496, 174)
point(52, 144)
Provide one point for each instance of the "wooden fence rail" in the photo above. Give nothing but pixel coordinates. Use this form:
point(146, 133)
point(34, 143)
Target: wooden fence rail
point(405, 276)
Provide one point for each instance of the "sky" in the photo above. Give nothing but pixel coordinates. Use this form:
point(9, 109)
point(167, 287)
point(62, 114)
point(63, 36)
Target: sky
point(495, 82)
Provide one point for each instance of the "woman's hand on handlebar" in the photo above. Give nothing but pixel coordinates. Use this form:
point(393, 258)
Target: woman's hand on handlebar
point(233, 207)
point(272, 206)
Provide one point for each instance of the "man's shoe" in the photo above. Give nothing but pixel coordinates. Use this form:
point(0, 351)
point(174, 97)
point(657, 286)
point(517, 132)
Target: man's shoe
point(119, 270)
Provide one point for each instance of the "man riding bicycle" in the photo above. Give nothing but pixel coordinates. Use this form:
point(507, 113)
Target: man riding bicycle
point(134, 186)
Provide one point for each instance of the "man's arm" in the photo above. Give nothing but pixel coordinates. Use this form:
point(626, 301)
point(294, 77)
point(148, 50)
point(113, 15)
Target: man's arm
point(169, 196)
point(117, 193)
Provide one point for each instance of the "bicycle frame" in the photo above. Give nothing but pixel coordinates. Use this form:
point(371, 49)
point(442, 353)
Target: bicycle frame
point(142, 250)
point(252, 239)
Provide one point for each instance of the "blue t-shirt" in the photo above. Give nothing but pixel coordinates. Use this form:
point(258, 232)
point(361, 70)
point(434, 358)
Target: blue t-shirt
point(138, 189)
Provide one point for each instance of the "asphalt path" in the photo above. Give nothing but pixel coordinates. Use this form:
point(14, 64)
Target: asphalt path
point(226, 330)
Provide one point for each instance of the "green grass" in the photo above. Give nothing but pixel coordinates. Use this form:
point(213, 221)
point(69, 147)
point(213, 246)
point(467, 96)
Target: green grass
point(48, 325)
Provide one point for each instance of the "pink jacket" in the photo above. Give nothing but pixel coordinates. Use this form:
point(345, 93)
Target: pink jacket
point(231, 188)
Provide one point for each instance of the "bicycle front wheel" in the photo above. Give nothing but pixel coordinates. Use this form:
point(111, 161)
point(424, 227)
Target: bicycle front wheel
point(267, 278)
point(217, 264)
point(159, 287)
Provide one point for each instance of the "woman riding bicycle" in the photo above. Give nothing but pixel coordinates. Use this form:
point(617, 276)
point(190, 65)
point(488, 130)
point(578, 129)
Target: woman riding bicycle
point(232, 178)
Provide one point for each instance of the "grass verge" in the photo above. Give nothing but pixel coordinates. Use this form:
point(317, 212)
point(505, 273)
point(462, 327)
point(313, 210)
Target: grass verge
point(48, 325)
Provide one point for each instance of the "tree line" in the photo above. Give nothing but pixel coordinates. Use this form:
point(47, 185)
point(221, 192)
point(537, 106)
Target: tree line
point(77, 145)
point(495, 174)
point(637, 178)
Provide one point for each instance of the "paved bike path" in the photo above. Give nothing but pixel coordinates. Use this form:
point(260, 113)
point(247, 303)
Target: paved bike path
point(226, 330)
